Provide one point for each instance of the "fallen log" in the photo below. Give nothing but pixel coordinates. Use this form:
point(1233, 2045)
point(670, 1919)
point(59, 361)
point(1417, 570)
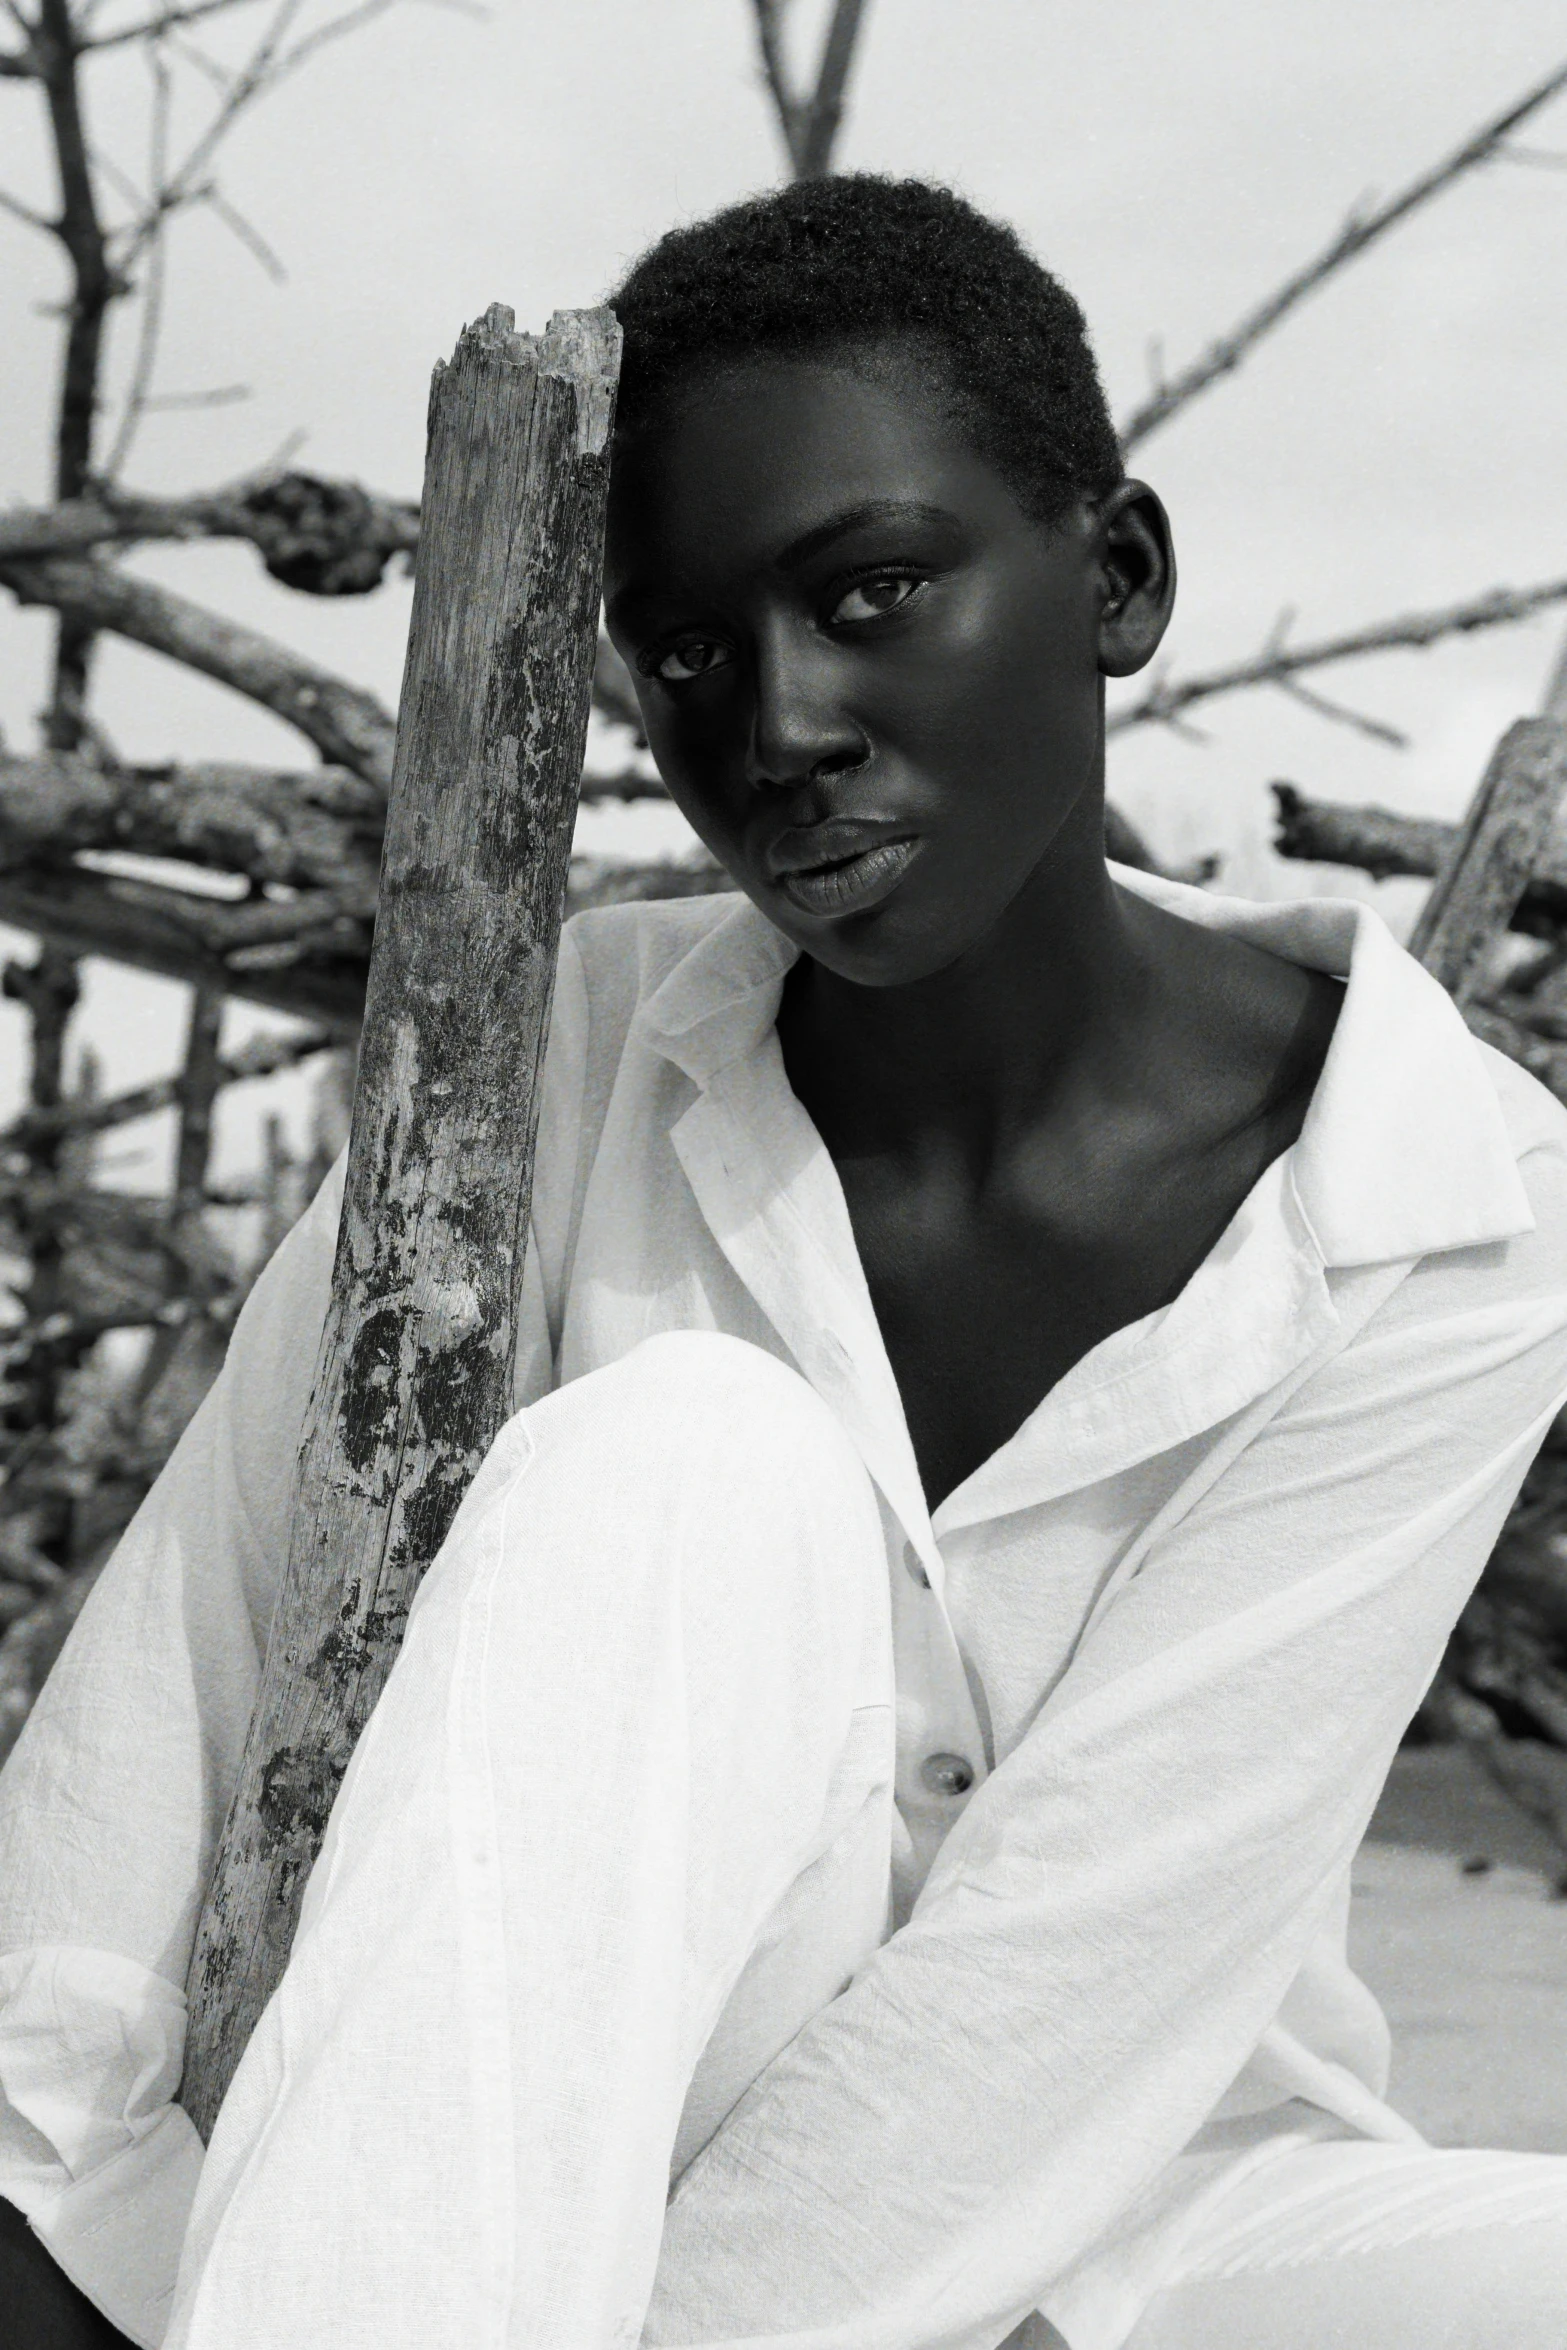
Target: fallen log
point(414, 1373)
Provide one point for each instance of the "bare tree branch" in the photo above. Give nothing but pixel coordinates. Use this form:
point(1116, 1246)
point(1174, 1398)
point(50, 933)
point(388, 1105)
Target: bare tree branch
point(21, 64)
point(322, 537)
point(314, 968)
point(1378, 841)
point(162, 930)
point(276, 830)
point(632, 785)
point(249, 236)
point(769, 34)
point(25, 213)
point(1386, 844)
point(95, 286)
point(216, 396)
point(262, 1056)
point(1342, 715)
point(349, 22)
point(198, 1082)
point(824, 117)
point(1359, 231)
point(346, 724)
point(1164, 701)
point(255, 76)
point(165, 21)
point(811, 123)
point(150, 322)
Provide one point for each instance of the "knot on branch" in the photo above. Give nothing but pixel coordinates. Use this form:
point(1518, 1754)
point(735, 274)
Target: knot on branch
point(325, 538)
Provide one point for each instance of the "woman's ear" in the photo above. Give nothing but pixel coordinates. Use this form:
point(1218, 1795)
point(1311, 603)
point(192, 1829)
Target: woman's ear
point(1136, 557)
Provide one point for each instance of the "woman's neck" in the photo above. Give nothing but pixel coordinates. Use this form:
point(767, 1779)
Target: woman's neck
point(1057, 995)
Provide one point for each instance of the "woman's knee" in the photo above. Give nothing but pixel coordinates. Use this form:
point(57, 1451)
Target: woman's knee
point(696, 1458)
point(700, 1400)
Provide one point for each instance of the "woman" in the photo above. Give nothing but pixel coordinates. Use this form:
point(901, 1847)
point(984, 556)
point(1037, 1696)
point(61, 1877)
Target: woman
point(1023, 1364)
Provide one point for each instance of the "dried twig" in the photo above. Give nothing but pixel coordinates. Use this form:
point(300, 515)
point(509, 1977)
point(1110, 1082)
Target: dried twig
point(1165, 700)
point(164, 20)
point(1361, 230)
point(25, 213)
point(150, 322)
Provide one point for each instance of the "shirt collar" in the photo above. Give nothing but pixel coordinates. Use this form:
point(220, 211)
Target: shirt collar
point(1404, 1149)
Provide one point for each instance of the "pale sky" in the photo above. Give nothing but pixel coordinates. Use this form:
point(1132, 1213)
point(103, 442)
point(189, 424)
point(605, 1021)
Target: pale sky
point(1396, 446)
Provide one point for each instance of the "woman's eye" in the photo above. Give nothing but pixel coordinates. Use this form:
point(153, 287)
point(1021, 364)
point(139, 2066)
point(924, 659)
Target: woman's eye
point(868, 599)
point(694, 656)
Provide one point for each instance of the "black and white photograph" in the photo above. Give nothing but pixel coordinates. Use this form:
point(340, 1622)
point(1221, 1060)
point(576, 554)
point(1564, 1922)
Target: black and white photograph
point(783, 1175)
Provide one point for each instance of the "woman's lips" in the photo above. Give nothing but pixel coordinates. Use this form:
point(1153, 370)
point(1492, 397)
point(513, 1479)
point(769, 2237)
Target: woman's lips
point(850, 883)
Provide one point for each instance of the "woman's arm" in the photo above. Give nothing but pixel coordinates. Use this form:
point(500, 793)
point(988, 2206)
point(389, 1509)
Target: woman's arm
point(111, 1804)
point(1113, 1925)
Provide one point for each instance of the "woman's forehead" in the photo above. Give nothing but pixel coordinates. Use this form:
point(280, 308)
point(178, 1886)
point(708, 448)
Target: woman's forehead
point(763, 454)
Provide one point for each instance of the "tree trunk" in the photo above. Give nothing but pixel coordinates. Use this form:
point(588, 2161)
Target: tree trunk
point(413, 1380)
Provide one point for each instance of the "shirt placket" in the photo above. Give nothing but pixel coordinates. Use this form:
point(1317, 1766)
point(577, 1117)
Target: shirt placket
point(791, 1243)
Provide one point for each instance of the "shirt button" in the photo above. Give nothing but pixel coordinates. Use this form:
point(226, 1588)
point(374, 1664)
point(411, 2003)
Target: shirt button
point(911, 1559)
point(947, 1774)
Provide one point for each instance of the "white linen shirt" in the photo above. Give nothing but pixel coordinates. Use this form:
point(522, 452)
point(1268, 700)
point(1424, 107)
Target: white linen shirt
point(1175, 1626)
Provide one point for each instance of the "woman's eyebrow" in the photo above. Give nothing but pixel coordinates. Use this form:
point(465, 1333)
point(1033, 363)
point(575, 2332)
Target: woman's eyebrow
point(811, 542)
point(625, 605)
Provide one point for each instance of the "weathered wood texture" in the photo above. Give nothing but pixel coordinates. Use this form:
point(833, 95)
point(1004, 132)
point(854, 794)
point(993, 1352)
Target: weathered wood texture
point(414, 1374)
point(1488, 866)
point(1383, 843)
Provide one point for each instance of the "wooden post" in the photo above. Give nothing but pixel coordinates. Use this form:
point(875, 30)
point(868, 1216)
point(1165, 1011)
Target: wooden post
point(413, 1380)
point(1485, 872)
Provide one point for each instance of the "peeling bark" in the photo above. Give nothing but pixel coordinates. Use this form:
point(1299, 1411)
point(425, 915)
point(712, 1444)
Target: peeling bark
point(414, 1376)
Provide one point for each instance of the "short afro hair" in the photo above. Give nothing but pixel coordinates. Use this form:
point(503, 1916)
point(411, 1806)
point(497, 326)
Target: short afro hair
point(858, 260)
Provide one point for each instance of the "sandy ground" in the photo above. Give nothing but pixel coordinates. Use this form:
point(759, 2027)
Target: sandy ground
point(1469, 1963)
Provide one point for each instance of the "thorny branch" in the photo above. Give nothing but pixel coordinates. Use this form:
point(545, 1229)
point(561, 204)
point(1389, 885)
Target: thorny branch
point(1360, 231)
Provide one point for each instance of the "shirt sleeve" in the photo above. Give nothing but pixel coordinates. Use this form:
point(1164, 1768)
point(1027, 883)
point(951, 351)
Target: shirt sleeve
point(113, 1798)
point(1112, 1925)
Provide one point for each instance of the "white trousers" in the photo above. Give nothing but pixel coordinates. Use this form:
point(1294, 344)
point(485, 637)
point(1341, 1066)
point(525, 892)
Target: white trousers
point(618, 1827)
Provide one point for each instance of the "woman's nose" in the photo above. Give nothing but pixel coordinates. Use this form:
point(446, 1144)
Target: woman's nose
point(800, 726)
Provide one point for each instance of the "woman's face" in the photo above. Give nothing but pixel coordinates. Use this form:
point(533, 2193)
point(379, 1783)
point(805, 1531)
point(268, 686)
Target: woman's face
point(870, 681)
